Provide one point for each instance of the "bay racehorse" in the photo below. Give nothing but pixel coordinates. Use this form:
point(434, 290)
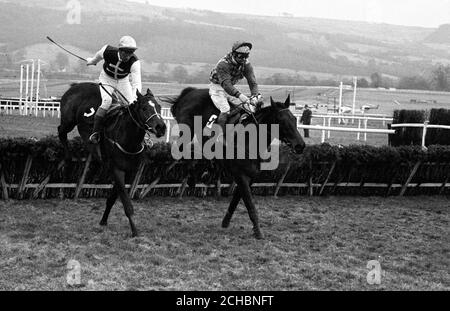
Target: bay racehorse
point(122, 140)
point(197, 102)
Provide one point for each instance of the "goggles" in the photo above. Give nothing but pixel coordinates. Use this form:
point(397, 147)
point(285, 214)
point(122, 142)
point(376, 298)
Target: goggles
point(242, 55)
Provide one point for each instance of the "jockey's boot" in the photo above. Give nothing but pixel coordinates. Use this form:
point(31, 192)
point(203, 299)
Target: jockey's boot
point(221, 121)
point(98, 126)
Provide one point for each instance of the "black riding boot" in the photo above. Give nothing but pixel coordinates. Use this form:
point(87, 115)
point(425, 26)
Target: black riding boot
point(221, 121)
point(98, 128)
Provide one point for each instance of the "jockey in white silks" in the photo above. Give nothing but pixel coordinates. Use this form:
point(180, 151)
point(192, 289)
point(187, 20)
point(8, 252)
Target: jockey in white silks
point(122, 70)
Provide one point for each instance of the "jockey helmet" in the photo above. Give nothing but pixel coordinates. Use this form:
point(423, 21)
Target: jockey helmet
point(240, 51)
point(127, 43)
point(242, 47)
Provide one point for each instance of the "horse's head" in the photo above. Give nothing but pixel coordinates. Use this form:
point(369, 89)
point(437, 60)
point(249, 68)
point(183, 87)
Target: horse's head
point(288, 125)
point(147, 111)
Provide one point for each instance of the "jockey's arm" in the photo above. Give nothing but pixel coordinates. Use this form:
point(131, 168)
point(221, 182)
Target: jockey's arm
point(97, 57)
point(249, 74)
point(224, 77)
point(135, 78)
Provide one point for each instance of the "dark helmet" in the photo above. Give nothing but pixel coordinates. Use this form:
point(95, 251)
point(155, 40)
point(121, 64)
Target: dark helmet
point(240, 51)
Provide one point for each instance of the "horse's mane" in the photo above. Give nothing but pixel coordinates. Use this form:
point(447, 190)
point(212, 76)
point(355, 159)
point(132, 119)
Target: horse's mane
point(175, 102)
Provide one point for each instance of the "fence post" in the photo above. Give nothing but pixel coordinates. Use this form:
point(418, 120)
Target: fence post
point(329, 125)
point(283, 176)
point(323, 131)
point(441, 191)
point(3, 184)
point(136, 179)
point(365, 128)
point(424, 133)
point(328, 177)
point(183, 186)
point(411, 175)
point(232, 187)
point(26, 172)
point(145, 191)
point(45, 181)
point(359, 127)
point(83, 176)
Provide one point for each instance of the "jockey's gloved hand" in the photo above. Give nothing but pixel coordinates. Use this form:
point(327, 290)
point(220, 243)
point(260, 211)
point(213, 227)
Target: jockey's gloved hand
point(90, 61)
point(243, 98)
point(254, 100)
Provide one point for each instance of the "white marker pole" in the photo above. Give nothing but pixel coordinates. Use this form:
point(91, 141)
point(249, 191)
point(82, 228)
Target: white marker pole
point(26, 89)
point(32, 85)
point(21, 91)
point(355, 81)
point(340, 100)
point(38, 81)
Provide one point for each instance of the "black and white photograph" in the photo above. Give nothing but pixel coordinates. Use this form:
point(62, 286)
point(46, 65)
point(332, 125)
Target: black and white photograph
point(225, 154)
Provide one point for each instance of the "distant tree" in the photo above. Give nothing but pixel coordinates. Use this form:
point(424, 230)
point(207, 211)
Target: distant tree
point(440, 78)
point(413, 83)
point(180, 74)
point(376, 79)
point(362, 82)
point(163, 67)
point(62, 61)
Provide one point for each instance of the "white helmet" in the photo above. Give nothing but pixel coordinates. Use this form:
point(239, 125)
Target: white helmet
point(127, 43)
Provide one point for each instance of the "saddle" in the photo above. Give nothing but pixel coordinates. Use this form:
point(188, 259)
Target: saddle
point(236, 115)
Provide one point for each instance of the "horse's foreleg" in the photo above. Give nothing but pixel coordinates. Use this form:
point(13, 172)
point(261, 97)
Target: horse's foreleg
point(62, 134)
point(244, 185)
point(109, 204)
point(119, 177)
point(231, 208)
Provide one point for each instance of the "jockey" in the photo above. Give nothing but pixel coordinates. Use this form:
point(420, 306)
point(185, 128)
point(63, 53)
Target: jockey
point(121, 69)
point(232, 68)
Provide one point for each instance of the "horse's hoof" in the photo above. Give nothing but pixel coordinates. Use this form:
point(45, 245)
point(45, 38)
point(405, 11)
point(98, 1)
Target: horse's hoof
point(258, 235)
point(103, 223)
point(134, 234)
point(226, 222)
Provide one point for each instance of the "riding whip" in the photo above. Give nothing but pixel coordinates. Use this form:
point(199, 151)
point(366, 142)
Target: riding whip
point(60, 46)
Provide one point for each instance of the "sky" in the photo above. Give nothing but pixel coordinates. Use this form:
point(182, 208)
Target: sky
point(424, 13)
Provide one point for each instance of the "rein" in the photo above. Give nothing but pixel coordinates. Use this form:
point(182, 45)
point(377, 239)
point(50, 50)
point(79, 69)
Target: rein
point(146, 128)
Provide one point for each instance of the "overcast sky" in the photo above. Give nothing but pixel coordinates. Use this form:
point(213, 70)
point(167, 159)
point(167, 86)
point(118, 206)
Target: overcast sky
point(426, 13)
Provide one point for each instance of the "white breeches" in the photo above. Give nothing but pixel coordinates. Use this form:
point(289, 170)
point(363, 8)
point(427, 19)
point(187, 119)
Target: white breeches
point(123, 85)
point(220, 97)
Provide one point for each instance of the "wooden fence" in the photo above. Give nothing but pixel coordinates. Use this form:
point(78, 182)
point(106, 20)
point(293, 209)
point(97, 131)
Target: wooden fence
point(85, 178)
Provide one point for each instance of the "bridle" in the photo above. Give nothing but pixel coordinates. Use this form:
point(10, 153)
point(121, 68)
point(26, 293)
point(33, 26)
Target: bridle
point(146, 128)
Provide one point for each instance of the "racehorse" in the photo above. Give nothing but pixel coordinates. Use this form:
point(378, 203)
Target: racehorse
point(196, 102)
point(122, 139)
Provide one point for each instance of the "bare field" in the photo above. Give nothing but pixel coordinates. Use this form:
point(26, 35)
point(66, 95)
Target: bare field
point(311, 244)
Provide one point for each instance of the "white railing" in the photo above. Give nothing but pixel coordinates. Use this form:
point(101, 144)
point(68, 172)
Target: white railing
point(424, 127)
point(362, 124)
point(25, 108)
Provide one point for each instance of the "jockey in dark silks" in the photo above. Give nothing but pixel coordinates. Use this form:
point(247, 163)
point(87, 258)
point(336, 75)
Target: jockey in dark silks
point(232, 68)
point(121, 70)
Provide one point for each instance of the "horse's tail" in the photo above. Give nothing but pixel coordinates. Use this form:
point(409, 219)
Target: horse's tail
point(175, 102)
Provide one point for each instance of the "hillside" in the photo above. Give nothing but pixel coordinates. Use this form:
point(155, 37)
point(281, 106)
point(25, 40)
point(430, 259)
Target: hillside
point(196, 38)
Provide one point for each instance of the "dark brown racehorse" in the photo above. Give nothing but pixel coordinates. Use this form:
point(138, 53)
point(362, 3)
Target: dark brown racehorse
point(197, 102)
point(122, 141)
